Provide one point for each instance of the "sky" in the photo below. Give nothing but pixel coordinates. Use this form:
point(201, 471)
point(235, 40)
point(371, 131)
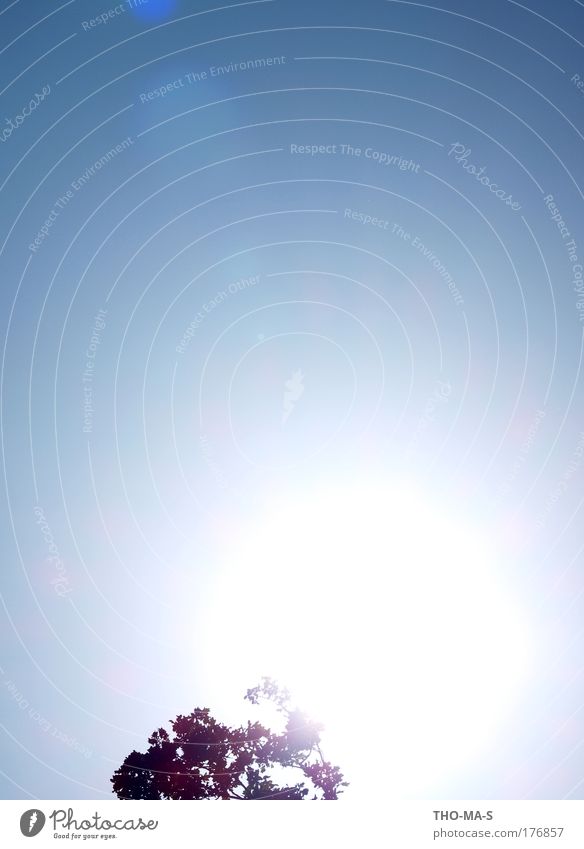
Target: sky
point(251, 253)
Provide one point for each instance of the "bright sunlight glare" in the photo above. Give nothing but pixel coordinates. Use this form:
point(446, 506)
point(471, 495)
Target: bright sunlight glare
point(384, 617)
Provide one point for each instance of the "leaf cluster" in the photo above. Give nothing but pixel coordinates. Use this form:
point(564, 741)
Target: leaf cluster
point(202, 758)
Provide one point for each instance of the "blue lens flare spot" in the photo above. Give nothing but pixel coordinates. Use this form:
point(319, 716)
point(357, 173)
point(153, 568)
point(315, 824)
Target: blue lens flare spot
point(153, 10)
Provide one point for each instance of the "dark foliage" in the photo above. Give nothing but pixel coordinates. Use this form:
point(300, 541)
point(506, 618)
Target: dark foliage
point(204, 759)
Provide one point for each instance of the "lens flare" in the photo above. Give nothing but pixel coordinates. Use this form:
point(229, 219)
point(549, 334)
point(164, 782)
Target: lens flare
point(387, 619)
point(153, 10)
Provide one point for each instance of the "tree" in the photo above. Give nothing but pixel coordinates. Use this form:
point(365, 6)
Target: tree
point(204, 759)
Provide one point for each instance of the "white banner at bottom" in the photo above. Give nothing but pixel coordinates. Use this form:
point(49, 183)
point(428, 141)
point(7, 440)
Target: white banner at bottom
point(400, 824)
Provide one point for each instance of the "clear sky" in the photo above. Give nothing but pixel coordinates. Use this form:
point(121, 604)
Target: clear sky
point(250, 251)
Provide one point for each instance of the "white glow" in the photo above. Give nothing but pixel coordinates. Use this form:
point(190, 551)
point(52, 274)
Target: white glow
point(383, 616)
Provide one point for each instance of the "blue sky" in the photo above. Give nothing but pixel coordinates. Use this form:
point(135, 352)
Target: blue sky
point(220, 286)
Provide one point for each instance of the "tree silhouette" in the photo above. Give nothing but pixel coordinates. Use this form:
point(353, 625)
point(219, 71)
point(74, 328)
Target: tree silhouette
point(205, 759)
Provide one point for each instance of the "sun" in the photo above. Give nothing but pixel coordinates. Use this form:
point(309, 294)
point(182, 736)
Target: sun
point(387, 618)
